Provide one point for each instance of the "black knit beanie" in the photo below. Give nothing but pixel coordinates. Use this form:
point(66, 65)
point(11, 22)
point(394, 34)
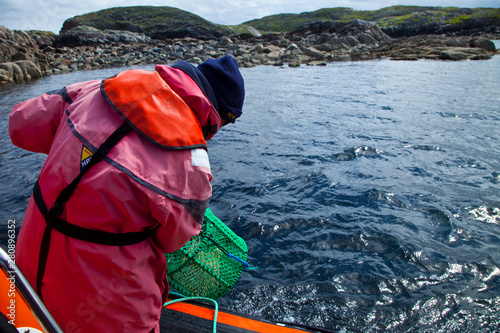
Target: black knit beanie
point(225, 78)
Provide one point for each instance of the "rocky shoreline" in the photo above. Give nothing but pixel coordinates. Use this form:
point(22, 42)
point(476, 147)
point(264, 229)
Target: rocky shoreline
point(23, 58)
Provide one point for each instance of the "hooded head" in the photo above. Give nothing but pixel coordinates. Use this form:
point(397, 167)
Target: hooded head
point(225, 78)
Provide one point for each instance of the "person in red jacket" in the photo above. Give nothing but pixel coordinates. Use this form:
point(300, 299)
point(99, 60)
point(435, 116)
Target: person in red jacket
point(127, 179)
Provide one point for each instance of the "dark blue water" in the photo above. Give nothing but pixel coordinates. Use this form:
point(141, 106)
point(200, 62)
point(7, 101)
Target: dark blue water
point(368, 192)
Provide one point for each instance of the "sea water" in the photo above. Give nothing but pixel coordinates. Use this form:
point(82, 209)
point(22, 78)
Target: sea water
point(368, 192)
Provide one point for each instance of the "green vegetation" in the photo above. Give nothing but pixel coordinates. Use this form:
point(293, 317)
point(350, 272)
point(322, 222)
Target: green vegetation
point(138, 19)
point(488, 13)
point(46, 35)
point(385, 17)
point(148, 18)
point(288, 22)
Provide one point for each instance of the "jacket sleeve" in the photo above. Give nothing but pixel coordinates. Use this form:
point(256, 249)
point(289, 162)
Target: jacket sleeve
point(181, 212)
point(177, 228)
point(33, 123)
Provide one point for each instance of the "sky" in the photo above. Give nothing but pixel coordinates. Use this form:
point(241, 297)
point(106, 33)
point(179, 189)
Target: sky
point(49, 15)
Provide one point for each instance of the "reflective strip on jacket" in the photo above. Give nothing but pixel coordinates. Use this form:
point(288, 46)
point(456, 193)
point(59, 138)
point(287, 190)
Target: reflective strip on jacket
point(157, 175)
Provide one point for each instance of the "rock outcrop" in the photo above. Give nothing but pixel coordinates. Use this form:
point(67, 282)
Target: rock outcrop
point(23, 57)
point(438, 48)
point(156, 22)
point(470, 27)
point(88, 36)
point(20, 57)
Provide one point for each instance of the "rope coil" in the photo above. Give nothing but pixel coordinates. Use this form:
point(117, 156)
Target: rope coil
point(184, 299)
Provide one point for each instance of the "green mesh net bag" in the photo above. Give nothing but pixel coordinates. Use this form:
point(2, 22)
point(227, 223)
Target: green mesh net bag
point(210, 263)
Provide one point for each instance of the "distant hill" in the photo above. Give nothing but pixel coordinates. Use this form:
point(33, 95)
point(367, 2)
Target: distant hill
point(155, 22)
point(168, 22)
point(389, 18)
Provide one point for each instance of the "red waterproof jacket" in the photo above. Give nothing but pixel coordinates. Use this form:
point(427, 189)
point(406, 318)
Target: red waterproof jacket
point(158, 176)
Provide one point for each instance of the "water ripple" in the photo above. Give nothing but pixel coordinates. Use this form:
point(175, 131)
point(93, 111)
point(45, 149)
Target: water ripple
point(368, 201)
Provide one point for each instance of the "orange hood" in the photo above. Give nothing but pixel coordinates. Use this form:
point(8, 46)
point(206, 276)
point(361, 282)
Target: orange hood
point(153, 109)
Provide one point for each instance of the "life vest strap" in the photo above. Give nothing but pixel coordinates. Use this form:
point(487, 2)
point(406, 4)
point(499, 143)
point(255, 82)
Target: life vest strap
point(103, 149)
point(89, 235)
point(37, 196)
point(72, 230)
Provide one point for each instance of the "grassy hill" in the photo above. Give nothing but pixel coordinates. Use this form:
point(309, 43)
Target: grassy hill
point(150, 20)
point(169, 22)
point(137, 18)
point(385, 17)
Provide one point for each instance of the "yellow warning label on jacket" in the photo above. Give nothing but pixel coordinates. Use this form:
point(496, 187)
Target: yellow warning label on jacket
point(86, 156)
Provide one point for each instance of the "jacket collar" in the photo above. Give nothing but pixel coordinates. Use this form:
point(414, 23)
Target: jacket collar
point(154, 110)
point(190, 84)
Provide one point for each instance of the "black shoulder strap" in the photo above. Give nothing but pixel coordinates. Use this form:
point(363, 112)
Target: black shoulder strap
point(74, 231)
point(105, 147)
